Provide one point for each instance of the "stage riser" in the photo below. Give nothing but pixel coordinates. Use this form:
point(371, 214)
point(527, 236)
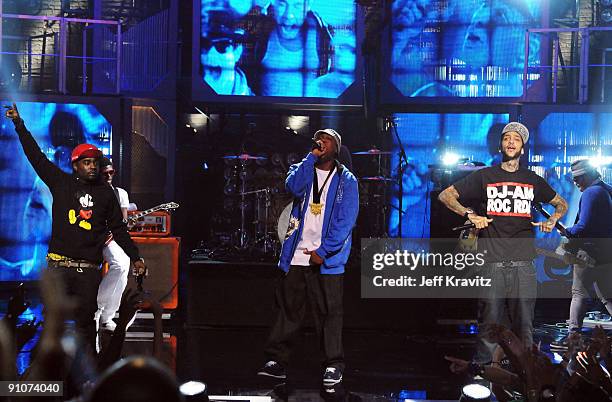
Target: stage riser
point(243, 295)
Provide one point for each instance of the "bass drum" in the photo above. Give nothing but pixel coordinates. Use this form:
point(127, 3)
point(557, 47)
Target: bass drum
point(283, 222)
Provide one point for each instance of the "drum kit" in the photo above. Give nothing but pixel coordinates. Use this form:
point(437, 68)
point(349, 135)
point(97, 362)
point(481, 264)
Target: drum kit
point(374, 195)
point(265, 212)
point(259, 209)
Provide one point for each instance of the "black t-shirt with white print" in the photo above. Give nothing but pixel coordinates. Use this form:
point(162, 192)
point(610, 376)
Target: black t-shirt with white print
point(506, 197)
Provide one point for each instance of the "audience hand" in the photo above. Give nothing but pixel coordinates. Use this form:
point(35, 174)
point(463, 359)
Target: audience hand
point(589, 368)
point(458, 366)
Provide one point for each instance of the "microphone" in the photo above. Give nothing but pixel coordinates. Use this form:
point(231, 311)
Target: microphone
point(463, 227)
point(315, 145)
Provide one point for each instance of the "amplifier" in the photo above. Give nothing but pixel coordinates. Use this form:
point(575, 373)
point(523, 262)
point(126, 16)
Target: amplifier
point(153, 224)
point(162, 258)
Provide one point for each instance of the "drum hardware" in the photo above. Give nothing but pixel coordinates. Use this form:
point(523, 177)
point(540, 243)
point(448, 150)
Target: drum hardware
point(376, 178)
point(374, 205)
point(244, 157)
point(372, 152)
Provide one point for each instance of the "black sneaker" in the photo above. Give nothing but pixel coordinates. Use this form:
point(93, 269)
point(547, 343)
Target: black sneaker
point(272, 369)
point(332, 377)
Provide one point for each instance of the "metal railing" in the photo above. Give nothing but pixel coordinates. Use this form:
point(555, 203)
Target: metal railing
point(584, 66)
point(60, 52)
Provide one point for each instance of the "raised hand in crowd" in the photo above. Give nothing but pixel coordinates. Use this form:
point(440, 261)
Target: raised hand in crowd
point(8, 370)
point(541, 376)
point(49, 361)
point(591, 371)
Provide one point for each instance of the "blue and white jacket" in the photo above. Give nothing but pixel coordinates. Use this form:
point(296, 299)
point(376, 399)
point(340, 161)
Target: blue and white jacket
point(341, 209)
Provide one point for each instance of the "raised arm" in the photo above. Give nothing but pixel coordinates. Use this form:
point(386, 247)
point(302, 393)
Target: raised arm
point(300, 176)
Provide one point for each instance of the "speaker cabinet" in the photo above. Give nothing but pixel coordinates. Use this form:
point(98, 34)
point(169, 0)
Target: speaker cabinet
point(161, 256)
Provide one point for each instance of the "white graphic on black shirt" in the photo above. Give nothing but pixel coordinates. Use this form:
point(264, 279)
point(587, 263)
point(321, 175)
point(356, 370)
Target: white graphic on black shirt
point(509, 199)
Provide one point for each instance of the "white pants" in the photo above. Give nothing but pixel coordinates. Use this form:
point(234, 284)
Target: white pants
point(114, 282)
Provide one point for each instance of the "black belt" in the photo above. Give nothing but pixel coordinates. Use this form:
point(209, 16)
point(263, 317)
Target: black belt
point(71, 264)
point(510, 264)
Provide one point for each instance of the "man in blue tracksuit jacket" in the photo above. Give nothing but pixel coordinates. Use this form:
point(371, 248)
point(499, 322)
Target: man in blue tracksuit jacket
point(316, 248)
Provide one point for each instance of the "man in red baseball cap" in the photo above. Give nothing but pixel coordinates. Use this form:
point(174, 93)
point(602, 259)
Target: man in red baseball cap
point(85, 151)
point(84, 210)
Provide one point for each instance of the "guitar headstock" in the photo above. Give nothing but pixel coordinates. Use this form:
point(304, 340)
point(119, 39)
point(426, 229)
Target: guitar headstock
point(169, 206)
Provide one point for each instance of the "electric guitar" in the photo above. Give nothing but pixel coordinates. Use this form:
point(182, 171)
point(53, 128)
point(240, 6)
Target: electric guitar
point(569, 250)
point(133, 219)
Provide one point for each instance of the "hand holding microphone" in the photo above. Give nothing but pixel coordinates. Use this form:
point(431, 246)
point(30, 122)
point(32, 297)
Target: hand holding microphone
point(317, 148)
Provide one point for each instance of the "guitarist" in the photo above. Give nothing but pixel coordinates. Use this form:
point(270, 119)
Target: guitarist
point(114, 282)
point(503, 217)
point(593, 226)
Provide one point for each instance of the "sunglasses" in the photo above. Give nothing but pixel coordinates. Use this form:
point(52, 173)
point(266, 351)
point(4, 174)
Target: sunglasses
point(109, 172)
point(220, 44)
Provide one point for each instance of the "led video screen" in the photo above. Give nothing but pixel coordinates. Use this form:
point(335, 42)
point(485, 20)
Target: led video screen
point(25, 205)
point(278, 48)
point(429, 139)
point(462, 48)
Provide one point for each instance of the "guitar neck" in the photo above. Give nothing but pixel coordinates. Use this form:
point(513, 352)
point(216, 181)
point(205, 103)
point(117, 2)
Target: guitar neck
point(145, 213)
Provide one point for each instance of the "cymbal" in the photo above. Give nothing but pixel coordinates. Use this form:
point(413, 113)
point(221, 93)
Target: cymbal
point(372, 151)
point(375, 178)
point(245, 157)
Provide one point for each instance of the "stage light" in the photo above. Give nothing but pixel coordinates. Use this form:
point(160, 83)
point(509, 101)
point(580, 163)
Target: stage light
point(194, 391)
point(204, 166)
point(600, 161)
point(450, 159)
point(475, 392)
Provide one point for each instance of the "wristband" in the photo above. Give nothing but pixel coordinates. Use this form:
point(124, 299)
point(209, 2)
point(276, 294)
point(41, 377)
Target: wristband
point(467, 212)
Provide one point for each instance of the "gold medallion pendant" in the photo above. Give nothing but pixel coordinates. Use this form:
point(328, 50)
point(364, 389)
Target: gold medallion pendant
point(316, 208)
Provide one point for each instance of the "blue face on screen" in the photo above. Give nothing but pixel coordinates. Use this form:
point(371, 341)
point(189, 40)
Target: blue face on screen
point(472, 48)
point(288, 48)
point(25, 207)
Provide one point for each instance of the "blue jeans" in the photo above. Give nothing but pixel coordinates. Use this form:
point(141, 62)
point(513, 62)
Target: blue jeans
point(510, 302)
point(587, 279)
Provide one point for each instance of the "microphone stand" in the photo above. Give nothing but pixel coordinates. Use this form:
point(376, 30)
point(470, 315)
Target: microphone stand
point(401, 167)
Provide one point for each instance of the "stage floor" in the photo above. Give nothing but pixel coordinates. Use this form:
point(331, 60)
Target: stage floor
point(380, 363)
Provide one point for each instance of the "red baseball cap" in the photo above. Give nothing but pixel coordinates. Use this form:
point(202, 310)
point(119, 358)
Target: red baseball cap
point(85, 151)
